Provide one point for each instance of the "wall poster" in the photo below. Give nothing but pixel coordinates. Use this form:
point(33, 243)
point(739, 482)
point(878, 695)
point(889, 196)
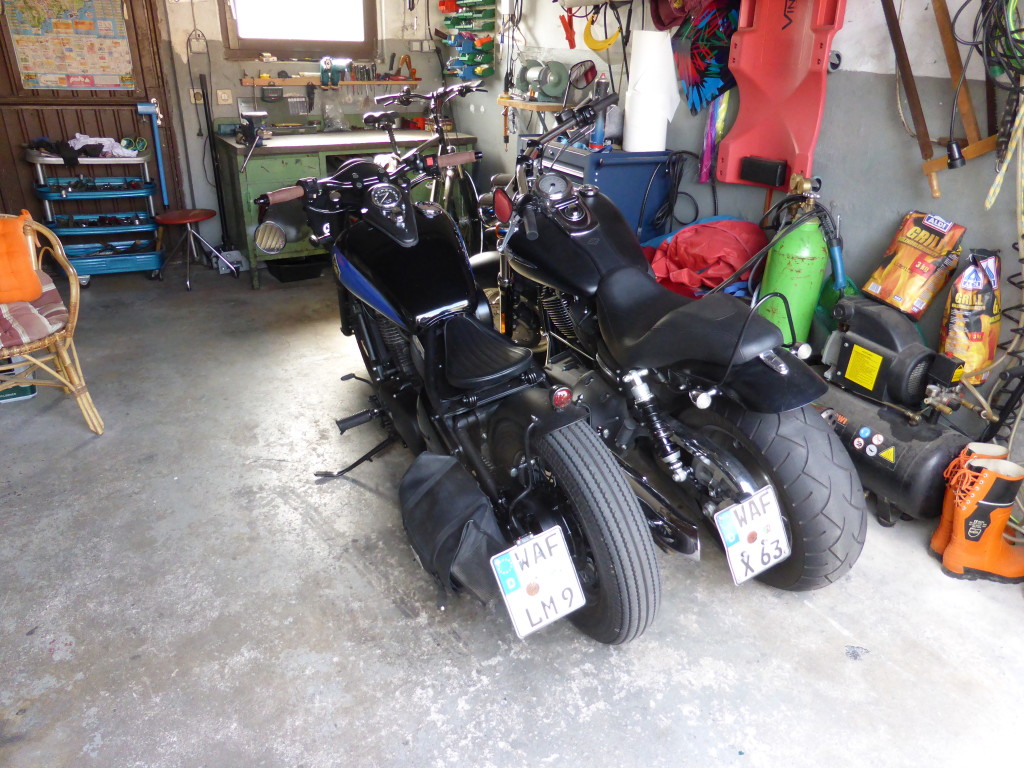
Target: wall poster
point(73, 44)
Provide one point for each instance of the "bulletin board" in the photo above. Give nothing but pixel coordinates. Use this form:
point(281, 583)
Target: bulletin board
point(72, 44)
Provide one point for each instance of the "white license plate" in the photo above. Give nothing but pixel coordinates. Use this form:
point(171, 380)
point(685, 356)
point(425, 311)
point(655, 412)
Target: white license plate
point(538, 581)
point(755, 538)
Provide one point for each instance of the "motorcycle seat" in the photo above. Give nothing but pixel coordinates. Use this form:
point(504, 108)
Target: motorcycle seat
point(477, 356)
point(645, 325)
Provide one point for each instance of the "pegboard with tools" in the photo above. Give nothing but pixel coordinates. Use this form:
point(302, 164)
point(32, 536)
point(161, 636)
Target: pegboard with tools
point(470, 25)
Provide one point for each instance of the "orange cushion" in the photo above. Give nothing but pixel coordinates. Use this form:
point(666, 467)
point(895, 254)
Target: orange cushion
point(18, 280)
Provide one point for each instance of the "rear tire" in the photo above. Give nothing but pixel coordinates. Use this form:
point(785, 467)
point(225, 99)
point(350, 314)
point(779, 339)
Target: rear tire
point(604, 527)
point(818, 487)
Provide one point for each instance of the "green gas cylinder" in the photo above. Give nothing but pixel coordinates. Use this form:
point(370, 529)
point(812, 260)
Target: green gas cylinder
point(795, 268)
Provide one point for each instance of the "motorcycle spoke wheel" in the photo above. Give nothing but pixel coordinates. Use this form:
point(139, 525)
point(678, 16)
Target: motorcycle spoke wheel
point(817, 486)
point(579, 486)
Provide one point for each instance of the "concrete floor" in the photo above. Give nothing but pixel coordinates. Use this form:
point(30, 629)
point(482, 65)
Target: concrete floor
point(182, 592)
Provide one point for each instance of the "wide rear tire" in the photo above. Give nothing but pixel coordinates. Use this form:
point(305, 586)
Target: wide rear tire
point(604, 527)
point(818, 488)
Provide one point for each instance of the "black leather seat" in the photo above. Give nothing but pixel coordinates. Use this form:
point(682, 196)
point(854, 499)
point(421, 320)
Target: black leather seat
point(478, 356)
point(645, 325)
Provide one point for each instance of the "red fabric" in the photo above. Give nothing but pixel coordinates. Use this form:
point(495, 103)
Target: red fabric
point(701, 256)
point(186, 216)
point(25, 321)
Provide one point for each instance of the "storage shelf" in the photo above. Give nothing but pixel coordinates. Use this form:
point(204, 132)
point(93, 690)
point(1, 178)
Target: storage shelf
point(85, 263)
point(44, 158)
point(272, 82)
point(99, 255)
point(145, 189)
point(531, 106)
point(62, 228)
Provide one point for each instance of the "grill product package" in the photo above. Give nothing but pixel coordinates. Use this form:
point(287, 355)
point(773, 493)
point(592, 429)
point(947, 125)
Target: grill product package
point(918, 263)
point(970, 326)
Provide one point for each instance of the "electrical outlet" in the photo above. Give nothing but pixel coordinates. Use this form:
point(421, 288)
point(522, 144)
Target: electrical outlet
point(197, 96)
point(224, 96)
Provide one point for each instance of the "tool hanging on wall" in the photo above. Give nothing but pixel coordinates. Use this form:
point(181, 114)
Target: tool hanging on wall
point(781, 73)
point(567, 28)
point(592, 42)
point(226, 242)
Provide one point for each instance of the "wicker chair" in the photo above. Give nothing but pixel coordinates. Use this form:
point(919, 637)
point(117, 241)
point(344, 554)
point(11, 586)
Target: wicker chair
point(42, 331)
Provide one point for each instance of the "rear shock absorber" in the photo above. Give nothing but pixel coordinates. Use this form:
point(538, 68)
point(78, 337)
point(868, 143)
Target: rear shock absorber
point(647, 409)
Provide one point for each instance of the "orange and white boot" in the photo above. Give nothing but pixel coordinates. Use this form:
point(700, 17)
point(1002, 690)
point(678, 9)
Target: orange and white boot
point(953, 475)
point(984, 500)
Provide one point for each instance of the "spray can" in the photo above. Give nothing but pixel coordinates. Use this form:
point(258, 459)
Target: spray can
point(795, 268)
point(597, 135)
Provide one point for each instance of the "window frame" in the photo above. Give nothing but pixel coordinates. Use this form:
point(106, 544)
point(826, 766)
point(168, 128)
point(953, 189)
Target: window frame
point(250, 49)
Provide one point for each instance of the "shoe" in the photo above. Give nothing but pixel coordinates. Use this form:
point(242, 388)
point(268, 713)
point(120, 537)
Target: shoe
point(977, 548)
point(940, 538)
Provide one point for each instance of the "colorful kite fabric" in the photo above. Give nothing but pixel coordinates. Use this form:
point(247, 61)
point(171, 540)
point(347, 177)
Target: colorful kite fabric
point(701, 50)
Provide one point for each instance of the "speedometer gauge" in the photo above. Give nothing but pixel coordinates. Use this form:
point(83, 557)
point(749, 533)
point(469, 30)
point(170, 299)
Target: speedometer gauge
point(553, 186)
point(386, 196)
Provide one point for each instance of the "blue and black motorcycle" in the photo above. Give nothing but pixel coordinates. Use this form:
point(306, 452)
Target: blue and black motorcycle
point(475, 408)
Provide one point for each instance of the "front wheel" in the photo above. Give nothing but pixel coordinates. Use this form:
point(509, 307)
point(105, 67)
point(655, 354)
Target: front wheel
point(579, 486)
point(818, 488)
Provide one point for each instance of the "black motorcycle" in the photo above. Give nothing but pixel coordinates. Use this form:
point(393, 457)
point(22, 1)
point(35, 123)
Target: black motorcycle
point(474, 407)
point(699, 399)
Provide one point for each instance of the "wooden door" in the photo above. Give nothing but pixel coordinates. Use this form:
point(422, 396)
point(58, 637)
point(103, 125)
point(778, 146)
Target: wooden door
point(27, 114)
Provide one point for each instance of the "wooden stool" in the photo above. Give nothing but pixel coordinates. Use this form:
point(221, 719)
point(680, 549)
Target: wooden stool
point(188, 217)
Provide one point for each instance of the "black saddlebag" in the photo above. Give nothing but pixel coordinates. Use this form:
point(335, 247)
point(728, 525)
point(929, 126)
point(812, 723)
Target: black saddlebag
point(451, 525)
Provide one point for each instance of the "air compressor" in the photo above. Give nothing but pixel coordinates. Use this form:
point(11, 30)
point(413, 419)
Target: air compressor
point(887, 390)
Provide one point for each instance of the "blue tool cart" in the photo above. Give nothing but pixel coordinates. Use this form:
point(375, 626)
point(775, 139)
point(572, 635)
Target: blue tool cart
point(100, 243)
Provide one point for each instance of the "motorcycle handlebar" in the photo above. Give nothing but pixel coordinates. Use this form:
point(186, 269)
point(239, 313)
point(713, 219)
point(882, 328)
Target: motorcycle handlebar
point(584, 115)
point(530, 223)
point(457, 158)
point(284, 194)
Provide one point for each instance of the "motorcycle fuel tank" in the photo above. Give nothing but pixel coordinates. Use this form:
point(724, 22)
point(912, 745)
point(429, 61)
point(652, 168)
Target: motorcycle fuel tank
point(574, 256)
point(408, 285)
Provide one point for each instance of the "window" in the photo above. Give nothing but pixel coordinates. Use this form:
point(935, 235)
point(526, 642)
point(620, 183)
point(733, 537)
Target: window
point(295, 29)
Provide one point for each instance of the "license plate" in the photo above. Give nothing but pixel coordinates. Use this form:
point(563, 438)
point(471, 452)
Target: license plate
point(538, 581)
point(755, 538)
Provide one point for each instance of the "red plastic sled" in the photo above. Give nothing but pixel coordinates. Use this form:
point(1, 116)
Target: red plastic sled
point(780, 58)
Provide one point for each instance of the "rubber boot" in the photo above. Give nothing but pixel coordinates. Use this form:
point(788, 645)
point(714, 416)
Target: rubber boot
point(977, 549)
point(940, 538)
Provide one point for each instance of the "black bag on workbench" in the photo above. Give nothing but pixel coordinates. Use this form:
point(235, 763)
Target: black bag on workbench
point(451, 524)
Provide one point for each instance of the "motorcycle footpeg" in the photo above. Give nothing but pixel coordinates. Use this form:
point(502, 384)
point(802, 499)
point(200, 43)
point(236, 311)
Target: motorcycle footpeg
point(357, 419)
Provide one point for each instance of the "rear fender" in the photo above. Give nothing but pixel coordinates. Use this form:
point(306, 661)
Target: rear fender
point(531, 407)
point(759, 387)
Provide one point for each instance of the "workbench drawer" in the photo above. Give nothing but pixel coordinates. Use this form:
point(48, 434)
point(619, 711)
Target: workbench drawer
point(280, 170)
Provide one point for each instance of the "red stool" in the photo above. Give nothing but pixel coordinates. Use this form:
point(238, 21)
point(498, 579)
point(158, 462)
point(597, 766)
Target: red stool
point(188, 217)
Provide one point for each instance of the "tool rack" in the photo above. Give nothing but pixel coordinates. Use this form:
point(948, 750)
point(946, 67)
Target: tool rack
point(117, 241)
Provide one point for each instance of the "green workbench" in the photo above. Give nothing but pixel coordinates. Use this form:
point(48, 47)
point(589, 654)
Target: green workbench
point(281, 161)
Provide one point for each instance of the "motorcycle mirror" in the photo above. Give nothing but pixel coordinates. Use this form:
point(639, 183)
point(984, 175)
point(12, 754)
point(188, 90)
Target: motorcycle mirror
point(270, 238)
point(581, 74)
point(503, 205)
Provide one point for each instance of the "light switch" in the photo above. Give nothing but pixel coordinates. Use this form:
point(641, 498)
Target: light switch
point(224, 96)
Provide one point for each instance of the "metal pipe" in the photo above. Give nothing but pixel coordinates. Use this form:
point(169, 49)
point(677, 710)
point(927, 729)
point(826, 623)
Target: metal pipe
point(152, 108)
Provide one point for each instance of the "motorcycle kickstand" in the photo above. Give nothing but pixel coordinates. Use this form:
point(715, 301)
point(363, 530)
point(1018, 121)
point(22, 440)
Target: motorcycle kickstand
point(366, 457)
